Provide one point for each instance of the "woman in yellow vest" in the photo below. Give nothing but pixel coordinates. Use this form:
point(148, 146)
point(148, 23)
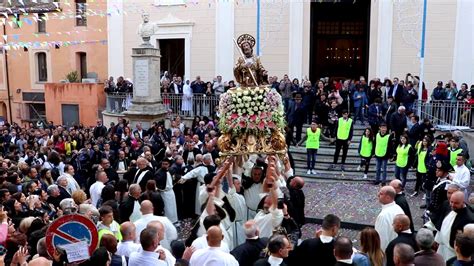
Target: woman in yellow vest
point(403, 154)
point(383, 151)
point(366, 150)
point(423, 149)
point(313, 135)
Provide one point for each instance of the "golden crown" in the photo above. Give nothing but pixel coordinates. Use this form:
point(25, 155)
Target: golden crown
point(246, 38)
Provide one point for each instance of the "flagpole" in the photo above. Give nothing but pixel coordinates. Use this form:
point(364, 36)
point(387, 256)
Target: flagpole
point(422, 59)
point(258, 27)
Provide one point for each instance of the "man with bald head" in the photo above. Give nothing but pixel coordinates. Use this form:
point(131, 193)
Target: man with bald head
point(144, 173)
point(438, 215)
point(146, 208)
point(384, 221)
point(213, 255)
point(249, 252)
point(297, 199)
point(453, 223)
point(401, 200)
point(160, 231)
point(127, 245)
point(401, 225)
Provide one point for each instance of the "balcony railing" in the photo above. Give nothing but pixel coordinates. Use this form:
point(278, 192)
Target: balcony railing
point(118, 103)
point(178, 104)
point(446, 115)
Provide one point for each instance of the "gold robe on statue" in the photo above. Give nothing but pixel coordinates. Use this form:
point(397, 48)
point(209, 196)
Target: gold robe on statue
point(242, 73)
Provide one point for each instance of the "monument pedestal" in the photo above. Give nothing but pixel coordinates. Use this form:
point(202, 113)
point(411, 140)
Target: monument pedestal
point(147, 105)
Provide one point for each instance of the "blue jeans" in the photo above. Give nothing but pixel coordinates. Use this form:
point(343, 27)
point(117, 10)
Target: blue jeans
point(381, 163)
point(359, 113)
point(311, 158)
point(401, 172)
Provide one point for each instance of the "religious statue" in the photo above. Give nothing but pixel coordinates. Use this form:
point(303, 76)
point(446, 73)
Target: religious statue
point(145, 30)
point(249, 71)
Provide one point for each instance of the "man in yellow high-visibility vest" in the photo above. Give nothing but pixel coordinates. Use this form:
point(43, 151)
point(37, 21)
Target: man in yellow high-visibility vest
point(344, 129)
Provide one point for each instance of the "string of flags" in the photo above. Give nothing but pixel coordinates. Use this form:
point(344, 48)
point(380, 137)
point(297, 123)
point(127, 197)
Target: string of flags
point(52, 44)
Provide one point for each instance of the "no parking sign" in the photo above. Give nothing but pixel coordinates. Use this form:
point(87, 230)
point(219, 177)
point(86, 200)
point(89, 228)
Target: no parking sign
point(72, 229)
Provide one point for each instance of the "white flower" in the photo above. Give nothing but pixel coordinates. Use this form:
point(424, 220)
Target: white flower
point(259, 97)
point(251, 113)
point(239, 100)
point(252, 92)
point(252, 103)
point(239, 94)
point(261, 108)
point(255, 109)
point(246, 92)
point(247, 105)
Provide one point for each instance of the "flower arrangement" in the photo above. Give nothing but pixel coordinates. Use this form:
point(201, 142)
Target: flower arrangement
point(257, 111)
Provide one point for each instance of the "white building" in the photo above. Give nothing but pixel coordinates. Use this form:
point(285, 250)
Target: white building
point(374, 38)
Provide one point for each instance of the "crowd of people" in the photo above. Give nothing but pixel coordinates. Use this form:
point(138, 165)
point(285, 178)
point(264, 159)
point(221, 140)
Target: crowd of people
point(139, 185)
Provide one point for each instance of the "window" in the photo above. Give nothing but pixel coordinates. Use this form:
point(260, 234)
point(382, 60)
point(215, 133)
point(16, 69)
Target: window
point(41, 23)
point(82, 60)
point(42, 67)
point(81, 17)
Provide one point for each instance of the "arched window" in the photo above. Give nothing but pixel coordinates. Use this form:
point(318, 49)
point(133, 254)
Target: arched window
point(42, 66)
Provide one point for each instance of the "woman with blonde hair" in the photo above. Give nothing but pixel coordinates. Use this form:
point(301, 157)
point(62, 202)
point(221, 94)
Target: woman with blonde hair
point(370, 246)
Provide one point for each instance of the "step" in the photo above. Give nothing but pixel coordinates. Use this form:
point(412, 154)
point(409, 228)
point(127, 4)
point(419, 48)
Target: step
point(346, 176)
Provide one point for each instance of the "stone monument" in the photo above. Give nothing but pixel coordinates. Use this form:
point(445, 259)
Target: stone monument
point(147, 105)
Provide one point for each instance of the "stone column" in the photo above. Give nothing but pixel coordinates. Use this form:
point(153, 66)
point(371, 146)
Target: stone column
point(147, 105)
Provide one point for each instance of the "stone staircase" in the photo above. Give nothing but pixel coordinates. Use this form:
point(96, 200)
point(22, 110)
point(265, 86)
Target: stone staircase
point(325, 158)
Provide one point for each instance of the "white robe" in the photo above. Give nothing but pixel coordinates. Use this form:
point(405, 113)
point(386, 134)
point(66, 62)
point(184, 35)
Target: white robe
point(225, 225)
point(169, 199)
point(252, 199)
point(384, 223)
point(442, 237)
point(268, 221)
point(237, 202)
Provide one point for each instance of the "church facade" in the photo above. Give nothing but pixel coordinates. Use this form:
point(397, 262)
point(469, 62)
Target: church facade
point(313, 39)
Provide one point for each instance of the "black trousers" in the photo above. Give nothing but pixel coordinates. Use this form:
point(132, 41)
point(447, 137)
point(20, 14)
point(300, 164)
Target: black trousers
point(344, 144)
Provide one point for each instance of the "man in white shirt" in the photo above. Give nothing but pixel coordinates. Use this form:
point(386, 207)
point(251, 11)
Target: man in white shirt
point(270, 217)
point(147, 256)
point(384, 221)
point(127, 245)
point(96, 188)
point(160, 229)
point(213, 255)
point(462, 175)
point(146, 208)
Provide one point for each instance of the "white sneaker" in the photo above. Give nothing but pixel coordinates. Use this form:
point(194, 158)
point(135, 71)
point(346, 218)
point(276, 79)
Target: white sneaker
point(314, 172)
point(308, 172)
point(358, 168)
point(365, 176)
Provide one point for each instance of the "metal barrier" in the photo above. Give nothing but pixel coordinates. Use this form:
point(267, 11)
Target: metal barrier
point(197, 104)
point(179, 104)
point(446, 114)
point(117, 103)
